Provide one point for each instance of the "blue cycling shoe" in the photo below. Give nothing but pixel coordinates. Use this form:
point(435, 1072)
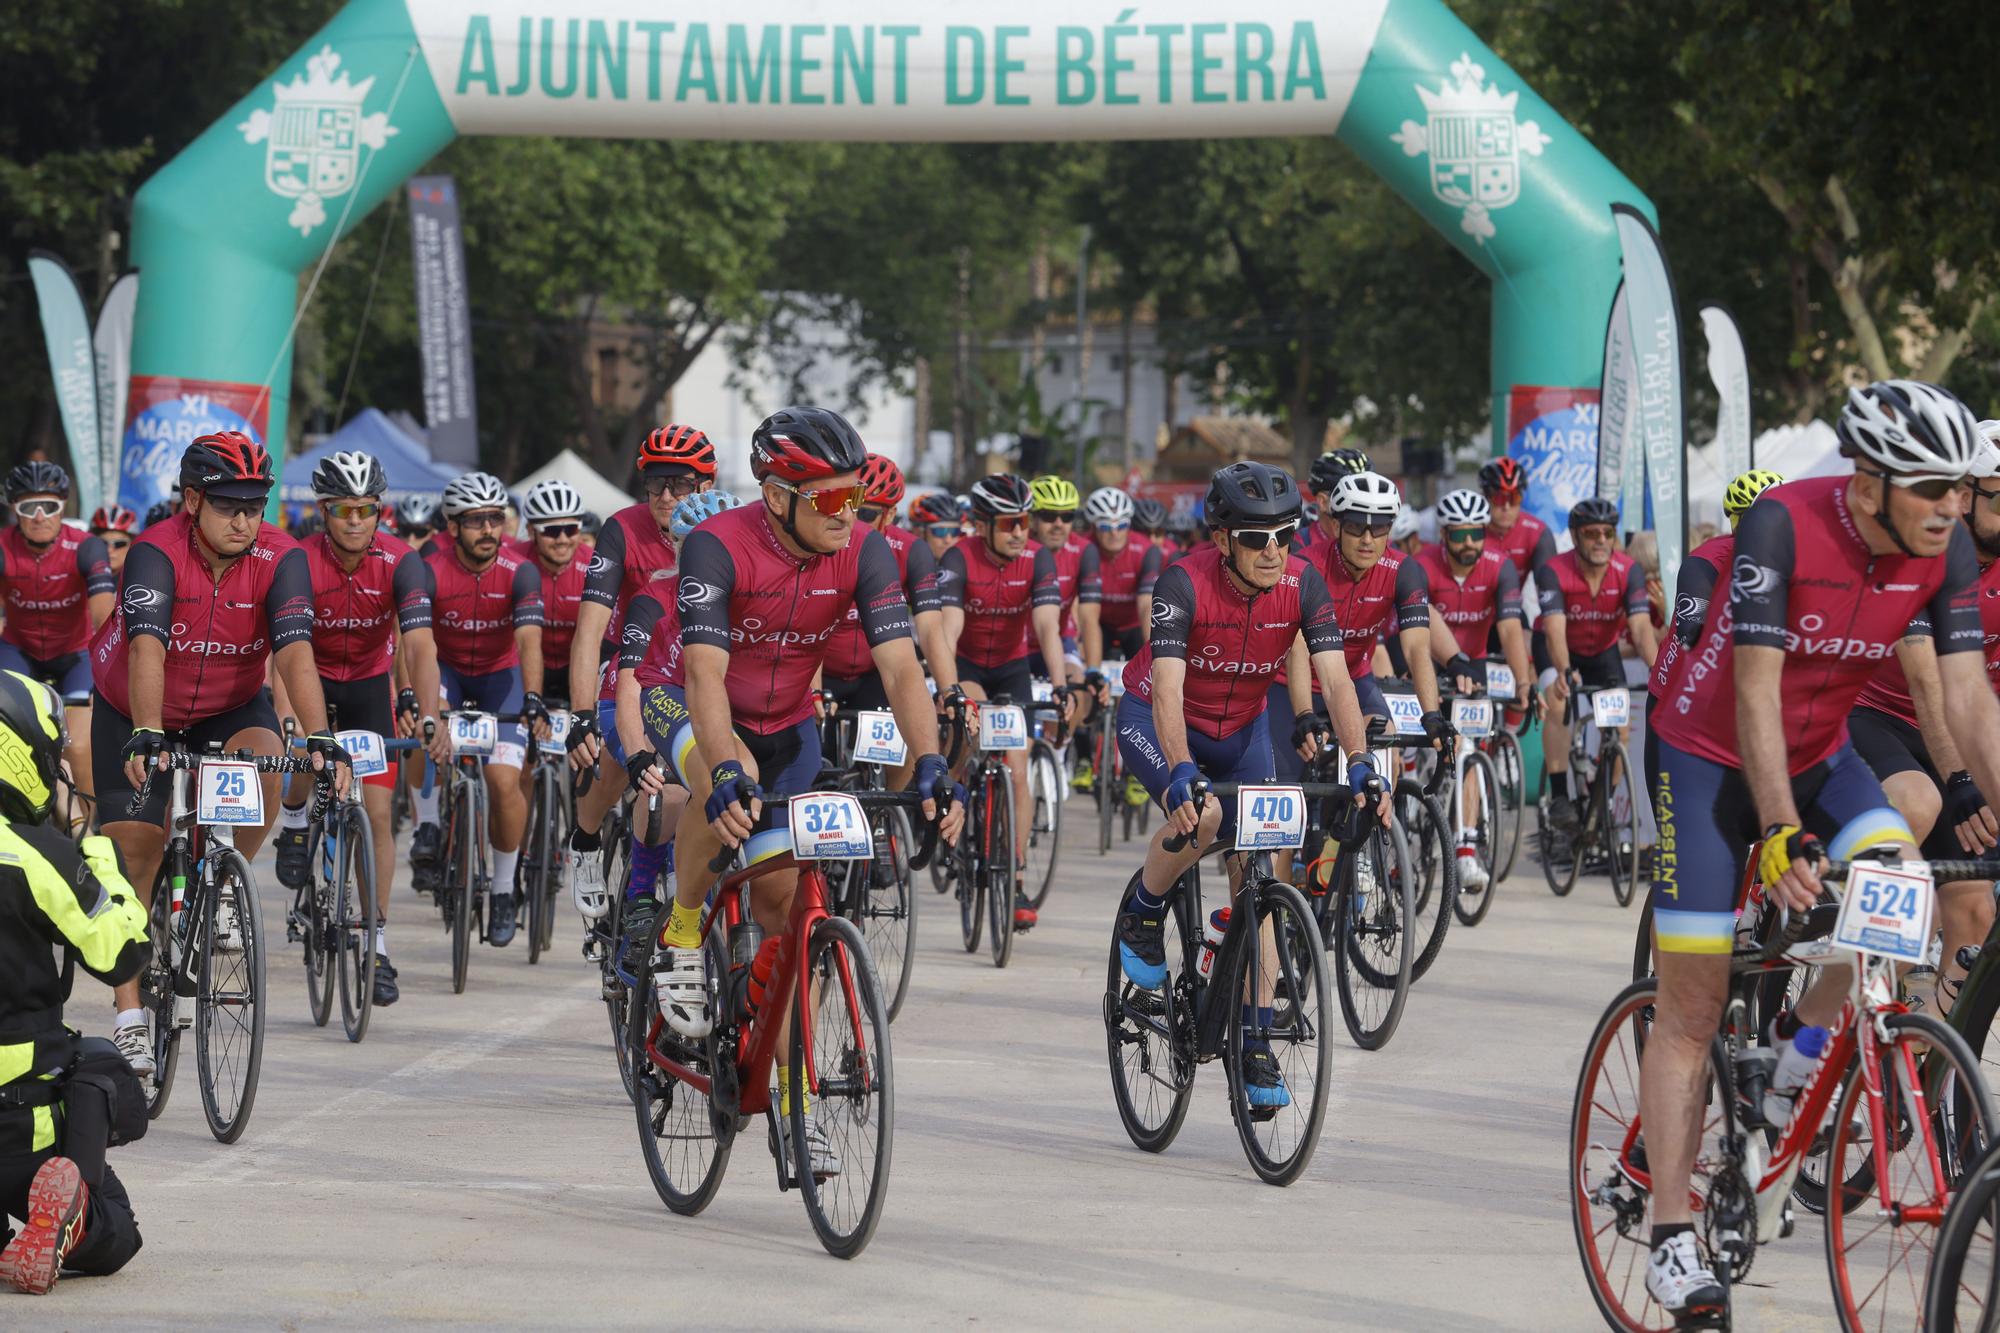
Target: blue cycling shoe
point(1263, 1085)
point(1142, 949)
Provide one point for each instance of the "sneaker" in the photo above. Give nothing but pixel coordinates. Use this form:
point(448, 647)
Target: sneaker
point(58, 1203)
point(585, 872)
point(1677, 1278)
point(135, 1042)
point(294, 858)
point(1084, 778)
point(1263, 1085)
point(500, 920)
point(1471, 872)
point(1025, 915)
point(425, 844)
point(1142, 944)
point(681, 982)
point(386, 990)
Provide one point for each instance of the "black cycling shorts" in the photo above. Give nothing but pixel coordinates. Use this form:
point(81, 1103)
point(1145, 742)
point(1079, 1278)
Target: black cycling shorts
point(1889, 745)
point(361, 705)
point(862, 694)
point(1601, 671)
point(110, 729)
point(555, 685)
point(1012, 679)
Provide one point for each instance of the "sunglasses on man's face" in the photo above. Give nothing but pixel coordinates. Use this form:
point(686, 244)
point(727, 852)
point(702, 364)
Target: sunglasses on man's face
point(1114, 527)
point(679, 487)
point(1054, 516)
point(485, 518)
point(830, 501)
point(351, 512)
point(1010, 522)
point(558, 531)
point(1457, 536)
point(231, 507)
point(942, 531)
point(116, 543)
point(870, 514)
point(1597, 532)
point(1932, 489)
point(1256, 539)
point(1503, 497)
point(38, 508)
point(1352, 529)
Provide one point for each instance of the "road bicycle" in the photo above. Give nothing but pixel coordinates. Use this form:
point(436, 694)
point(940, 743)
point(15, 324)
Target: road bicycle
point(551, 815)
point(693, 1097)
point(877, 895)
point(1895, 1114)
point(1475, 775)
point(1424, 787)
point(984, 872)
point(466, 885)
point(1608, 797)
point(1048, 792)
point(1263, 984)
point(1510, 776)
point(207, 931)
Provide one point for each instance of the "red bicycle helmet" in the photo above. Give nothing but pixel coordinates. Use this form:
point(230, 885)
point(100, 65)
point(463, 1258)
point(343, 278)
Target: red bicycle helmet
point(677, 446)
point(114, 518)
point(1503, 474)
point(228, 463)
point(799, 444)
point(881, 482)
point(937, 507)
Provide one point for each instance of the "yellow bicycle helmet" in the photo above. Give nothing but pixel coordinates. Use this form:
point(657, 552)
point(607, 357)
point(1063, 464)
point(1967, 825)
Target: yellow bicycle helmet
point(1053, 492)
point(1743, 492)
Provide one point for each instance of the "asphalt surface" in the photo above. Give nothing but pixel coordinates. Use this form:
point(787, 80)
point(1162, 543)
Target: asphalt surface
point(475, 1159)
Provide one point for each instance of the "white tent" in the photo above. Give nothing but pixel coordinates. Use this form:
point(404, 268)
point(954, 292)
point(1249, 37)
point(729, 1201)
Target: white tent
point(599, 495)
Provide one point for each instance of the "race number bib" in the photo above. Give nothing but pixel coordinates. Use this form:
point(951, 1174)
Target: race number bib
point(473, 733)
point(1499, 680)
point(1473, 717)
point(229, 793)
point(365, 749)
point(1612, 708)
point(558, 726)
point(830, 826)
point(1407, 712)
point(1002, 727)
point(1269, 818)
point(1886, 911)
point(876, 740)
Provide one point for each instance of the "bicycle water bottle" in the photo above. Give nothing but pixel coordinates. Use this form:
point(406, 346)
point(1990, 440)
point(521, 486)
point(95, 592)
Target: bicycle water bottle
point(762, 967)
point(1795, 1066)
point(1211, 940)
point(746, 939)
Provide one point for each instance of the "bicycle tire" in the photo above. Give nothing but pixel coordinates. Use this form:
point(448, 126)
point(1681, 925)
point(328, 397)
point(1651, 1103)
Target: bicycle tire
point(1046, 790)
point(1303, 982)
point(1960, 1128)
point(889, 911)
point(1365, 970)
point(462, 886)
point(354, 921)
point(970, 885)
point(1624, 873)
point(1510, 776)
point(1108, 782)
point(319, 932)
point(1439, 890)
point(1471, 906)
point(1560, 877)
point(667, 1110)
point(156, 996)
point(999, 891)
point(617, 996)
point(531, 897)
point(1136, 1075)
point(856, 1086)
point(1968, 1237)
point(560, 823)
point(229, 1088)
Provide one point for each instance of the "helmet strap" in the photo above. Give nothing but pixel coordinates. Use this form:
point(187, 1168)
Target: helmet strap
point(1882, 519)
point(1236, 575)
point(787, 522)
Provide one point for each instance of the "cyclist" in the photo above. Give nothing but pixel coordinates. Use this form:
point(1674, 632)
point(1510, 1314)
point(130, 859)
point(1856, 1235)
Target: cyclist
point(634, 551)
point(1403, 533)
point(1053, 524)
point(368, 588)
point(762, 589)
point(1149, 520)
point(1194, 710)
point(1590, 595)
point(1002, 608)
point(212, 599)
point(114, 525)
point(58, 900)
point(1478, 594)
point(416, 520)
point(591, 525)
point(1700, 572)
point(487, 620)
point(935, 516)
point(1522, 538)
point(1327, 470)
point(161, 511)
point(1827, 575)
point(1127, 569)
point(553, 511)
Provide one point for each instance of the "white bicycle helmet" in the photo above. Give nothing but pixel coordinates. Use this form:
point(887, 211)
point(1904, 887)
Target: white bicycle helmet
point(1108, 504)
point(416, 510)
point(1366, 494)
point(348, 475)
point(1909, 429)
point(552, 501)
point(1986, 461)
point(1463, 508)
point(1405, 526)
point(474, 490)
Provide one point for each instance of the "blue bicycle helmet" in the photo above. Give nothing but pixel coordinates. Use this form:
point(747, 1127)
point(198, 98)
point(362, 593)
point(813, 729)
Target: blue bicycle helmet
point(698, 509)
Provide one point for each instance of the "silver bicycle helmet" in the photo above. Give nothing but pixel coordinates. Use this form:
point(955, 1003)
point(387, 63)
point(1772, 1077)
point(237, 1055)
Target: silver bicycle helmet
point(474, 490)
point(551, 501)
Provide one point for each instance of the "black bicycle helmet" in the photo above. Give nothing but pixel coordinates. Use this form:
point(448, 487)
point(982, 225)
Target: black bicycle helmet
point(227, 463)
point(37, 478)
point(801, 444)
point(1251, 495)
point(1329, 468)
point(1149, 515)
point(1595, 509)
point(1001, 493)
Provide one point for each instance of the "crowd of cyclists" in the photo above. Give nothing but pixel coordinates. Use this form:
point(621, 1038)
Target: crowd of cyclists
point(1819, 680)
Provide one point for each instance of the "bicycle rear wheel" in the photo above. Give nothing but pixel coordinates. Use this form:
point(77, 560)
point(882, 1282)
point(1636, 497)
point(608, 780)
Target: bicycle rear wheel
point(998, 831)
point(460, 886)
point(889, 910)
point(1279, 1140)
point(1560, 871)
point(229, 1000)
point(852, 1085)
point(1489, 836)
point(534, 872)
point(1046, 790)
point(156, 997)
point(353, 924)
point(1963, 1289)
point(1513, 787)
point(1940, 1118)
point(1374, 948)
point(1108, 781)
point(1149, 1036)
point(684, 1139)
point(319, 931)
point(1434, 855)
point(1620, 809)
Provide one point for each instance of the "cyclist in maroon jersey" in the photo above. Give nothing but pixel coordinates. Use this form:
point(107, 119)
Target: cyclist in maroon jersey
point(1591, 595)
point(1053, 526)
point(1149, 520)
point(1327, 470)
point(1128, 566)
point(553, 511)
point(1826, 576)
point(486, 616)
point(369, 589)
point(211, 599)
point(58, 585)
point(1522, 538)
point(762, 589)
point(115, 526)
point(935, 518)
point(633, 553)
point(1002, 609)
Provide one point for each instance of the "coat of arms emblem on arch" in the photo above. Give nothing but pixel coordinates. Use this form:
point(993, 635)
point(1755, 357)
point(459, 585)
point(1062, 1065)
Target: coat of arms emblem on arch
point(313, 136)
point(1474, 144)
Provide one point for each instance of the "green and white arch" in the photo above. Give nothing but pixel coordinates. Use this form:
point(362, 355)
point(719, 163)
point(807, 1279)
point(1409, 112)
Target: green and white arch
point(223, 233)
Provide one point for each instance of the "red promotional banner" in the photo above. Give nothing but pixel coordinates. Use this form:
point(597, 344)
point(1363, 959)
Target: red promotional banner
point(1552, 434)
point(164, 414)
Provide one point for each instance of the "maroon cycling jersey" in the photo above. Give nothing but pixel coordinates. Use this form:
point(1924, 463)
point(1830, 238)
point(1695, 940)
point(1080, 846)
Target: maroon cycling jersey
point(562, 594)
point(219, 633)
point(1489, 593)
point(742, 591)
point(474, 613)
point(1592, 621)
point(1123, 579)
point(1888, 691)
point(1692, 591)
point(1233, 643)
point(631, 554)
point(998, 600)
point(47, 591)
point(847, 653)
point(650, 645)
point(1392, 595)
point(1529, 544)
point(1803, 579)
point(1077, 577)
point(356, 614)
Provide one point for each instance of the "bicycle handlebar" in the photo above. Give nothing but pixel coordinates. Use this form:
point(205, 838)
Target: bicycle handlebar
point(178, 758)
point(907, 799)
point(1203, 789)
point(1793, 925)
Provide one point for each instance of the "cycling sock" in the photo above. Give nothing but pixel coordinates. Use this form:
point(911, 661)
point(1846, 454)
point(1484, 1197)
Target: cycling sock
point(382, 940)
point(1559, 785)
point(503, 869)
point(1145, 901)
point(584, 840)
point(683, 929)
point(1256, 1017)
point(290, 816)
point(1666, 1231)
point(131, 1017)
point(1786, 1026)
point(785, 1093)
point(647, 862)
point(425, 799)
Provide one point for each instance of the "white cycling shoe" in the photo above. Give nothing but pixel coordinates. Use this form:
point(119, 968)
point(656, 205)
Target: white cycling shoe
point(1471, 874)
point(681, 982)
point(135, 1042)
point(585, 871)
point(1677, 1278)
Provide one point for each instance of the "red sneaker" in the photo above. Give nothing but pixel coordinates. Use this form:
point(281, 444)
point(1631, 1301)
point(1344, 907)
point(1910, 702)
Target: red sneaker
point(58, 1201)
point(1025, 916)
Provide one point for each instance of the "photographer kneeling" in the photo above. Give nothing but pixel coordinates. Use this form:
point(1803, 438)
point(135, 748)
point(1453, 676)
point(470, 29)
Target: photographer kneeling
point(64, 1099)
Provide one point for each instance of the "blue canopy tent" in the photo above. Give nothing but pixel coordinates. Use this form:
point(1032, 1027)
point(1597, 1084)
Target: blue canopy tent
point(406, 461)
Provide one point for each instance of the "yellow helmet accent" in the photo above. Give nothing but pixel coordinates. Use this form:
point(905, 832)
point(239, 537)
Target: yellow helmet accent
point(1053, 492)
point(1743, 492)
point(31, 741)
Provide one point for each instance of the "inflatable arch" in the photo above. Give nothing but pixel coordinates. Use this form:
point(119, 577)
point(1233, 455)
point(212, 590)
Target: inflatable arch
point(222, 234)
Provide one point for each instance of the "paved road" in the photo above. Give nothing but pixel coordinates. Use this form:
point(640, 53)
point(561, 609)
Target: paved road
point(475, 1160)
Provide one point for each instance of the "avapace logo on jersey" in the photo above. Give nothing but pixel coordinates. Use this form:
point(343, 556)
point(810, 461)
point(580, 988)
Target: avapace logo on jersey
point(178, 642)
point(1212, 661)
point(751, 632)
point(44, 604)
point(474, 624)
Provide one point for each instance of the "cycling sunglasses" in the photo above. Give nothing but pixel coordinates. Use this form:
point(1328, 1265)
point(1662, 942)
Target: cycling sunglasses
point(942, 530)
point(1256, 539)
point(484, 518)
point(558, 530)
point(1991, 497)
point(1924, 488)
point(1055, 516)
point(1465, 534)
point(230, 506)
point(1353, 529)
point(680, 486)
point(354, 510)
point(828, 500)
point(1114, 527)
point(118, 544)
point(38, 508)
point(870, 513)
point(1009, 522)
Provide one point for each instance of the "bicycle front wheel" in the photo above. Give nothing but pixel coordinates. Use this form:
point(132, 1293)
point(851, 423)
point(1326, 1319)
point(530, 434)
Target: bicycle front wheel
point(1046, 790)
point(1510, 777)
point(534, 872)
point(1108, 781)
point(1561, 858)
point(1620, 806)
point(318, 930)
point(156, 997)
point(1490, 836)
point(844, 1095)
point(1434, 863)
point(1000, 881)
point(1373, 944)
point(461, 887)
point(1963, 1289)
point(353, 925)
point(889, 910)
point(684, 1139)
point(1150, 1037)
point(229, 998)
point(1938, 1118)
point(1284, 970)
